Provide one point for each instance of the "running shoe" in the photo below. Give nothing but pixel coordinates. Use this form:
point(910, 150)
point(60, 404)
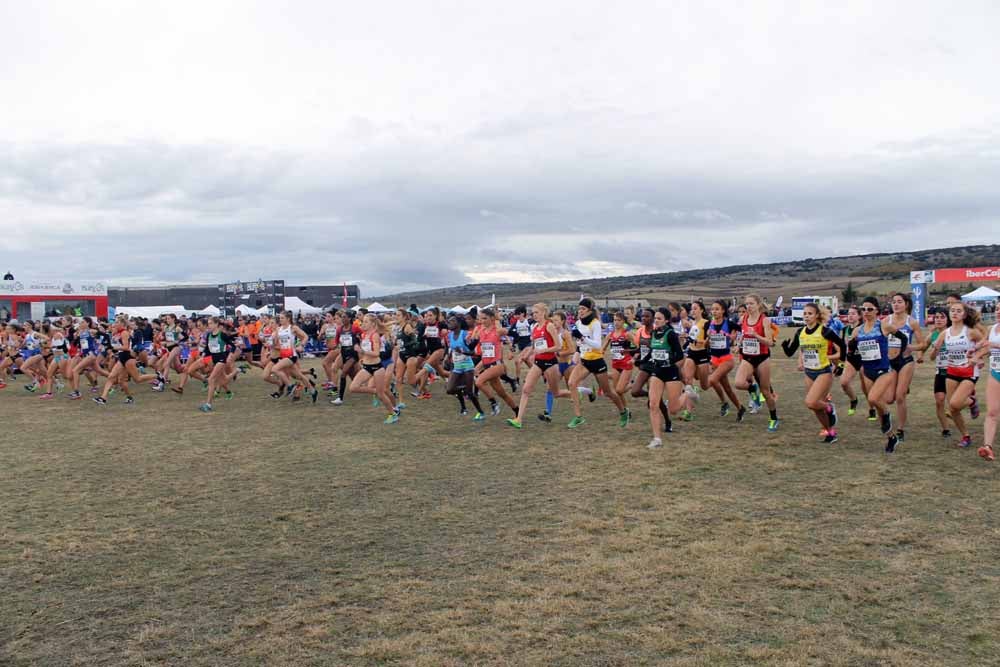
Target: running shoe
point(986, 452)
point(831, 410)
point(277, 394)
point(495, 409)
point(156, 386)
point(479, 417)
point(416, 393)
point(337, 401)
point(890, 445)
point(376, 403)
point(900, 434)
point(754, 406)
point(576, 421)
point(31, 387)
point(47, 396)
point(624, 417)
point(463, 412)
point(740, 414)
point(315, 394)
point(592, 396)
point(686, 415)
point(886, 423)
point(290, 389)
point(99, 400)
point(831, 437)
point(655, 443)
point(205, 407)
point(668, 426)
point(692, 393)
point(400, 407)
point(425, 396)
point(93, 389)
point(391, 419)
point(229, 396)
point(180, 390)
point(129, 400)
point(772, 425)
point(545, 417)
point(854, 407)
point(513, 386)
point(966, 441)
point(327, 386)
point(974, 408)
point(74, 396)
point(3, 385)
point(510, 422)
point(946, 433)
point(724, 410)
point(872, 415)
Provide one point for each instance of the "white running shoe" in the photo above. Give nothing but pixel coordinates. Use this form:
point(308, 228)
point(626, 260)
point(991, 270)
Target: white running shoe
point(655, 443)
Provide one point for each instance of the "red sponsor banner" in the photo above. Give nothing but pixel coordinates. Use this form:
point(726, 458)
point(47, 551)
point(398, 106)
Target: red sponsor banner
point(982, 273)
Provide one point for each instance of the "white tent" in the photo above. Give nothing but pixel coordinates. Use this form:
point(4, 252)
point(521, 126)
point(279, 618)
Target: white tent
point(246, 310)
point(151, 312)
point(458, 309)
point(378, 308)
point(981, 294)
point(298, 306)
point(210, 310)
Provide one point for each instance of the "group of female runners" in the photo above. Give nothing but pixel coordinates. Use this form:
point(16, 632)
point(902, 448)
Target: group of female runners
point(665, 357)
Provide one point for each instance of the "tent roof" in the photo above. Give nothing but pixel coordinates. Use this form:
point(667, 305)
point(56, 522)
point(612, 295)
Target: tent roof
point(981, 294)
point(378, 308)
point(297, 305)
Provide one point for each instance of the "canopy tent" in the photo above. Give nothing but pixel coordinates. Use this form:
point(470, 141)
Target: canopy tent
point(458, 309)
point(981, 294)
point(246, 311)
point(300, 307)
point(210, 310)
point(151, 312)
point(378, 308)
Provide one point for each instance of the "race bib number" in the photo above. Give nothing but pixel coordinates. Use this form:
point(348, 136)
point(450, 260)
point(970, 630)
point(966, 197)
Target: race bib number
point(431, 332)
point(869, 350)
point(171, 336)
point(810, 359)
point(661, 355)
point(895, 343)
point(718, 341)
point(995, 360)
point(346, 340)
point(489, 350)
point(459, 357)
point(214, 346)
point(84, 343)
point(643, 351)
point(585, 348)
point(366, 345)
point(617, 353)
point(958, 358)
point(540, 344)
point(751, 346)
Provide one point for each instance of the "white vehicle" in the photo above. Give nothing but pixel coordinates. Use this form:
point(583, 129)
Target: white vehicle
point(831, 303)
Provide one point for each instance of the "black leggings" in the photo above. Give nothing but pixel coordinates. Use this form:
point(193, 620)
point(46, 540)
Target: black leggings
point(461, 385)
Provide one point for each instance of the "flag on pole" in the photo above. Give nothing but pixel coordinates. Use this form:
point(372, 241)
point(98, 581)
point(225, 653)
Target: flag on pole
point(344, 300)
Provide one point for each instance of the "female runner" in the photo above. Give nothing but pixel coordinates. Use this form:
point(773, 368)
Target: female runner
point(991, 353)
point(960, 342)
point(901, 355)
point(541, 356)
point(721, 333)
point(60, 363)
point(461, 382)
point(369, 351)
point(755, 356)
point(851, 363)
point(871, 340)
point(814, 340)
point(215, 356)
point(619, 341)
point(587, 332)
point(125, 366)
point(940, 323)
point(492, 367)
point(665, 352)
point(330, 333)
point(642, 340)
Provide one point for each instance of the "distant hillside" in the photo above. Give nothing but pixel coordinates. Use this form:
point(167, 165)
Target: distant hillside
point(878, 273)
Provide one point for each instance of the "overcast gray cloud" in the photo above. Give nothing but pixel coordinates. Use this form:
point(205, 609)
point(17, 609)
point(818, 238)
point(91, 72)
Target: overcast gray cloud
point(403, 147)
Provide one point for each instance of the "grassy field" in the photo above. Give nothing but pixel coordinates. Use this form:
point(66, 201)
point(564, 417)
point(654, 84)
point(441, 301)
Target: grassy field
point(269, 533)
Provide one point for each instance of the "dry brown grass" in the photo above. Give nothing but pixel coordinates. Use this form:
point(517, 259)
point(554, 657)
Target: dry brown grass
point(279, 534)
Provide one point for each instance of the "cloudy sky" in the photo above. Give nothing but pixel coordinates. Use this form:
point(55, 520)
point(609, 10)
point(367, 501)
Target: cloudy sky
point(403, 145)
